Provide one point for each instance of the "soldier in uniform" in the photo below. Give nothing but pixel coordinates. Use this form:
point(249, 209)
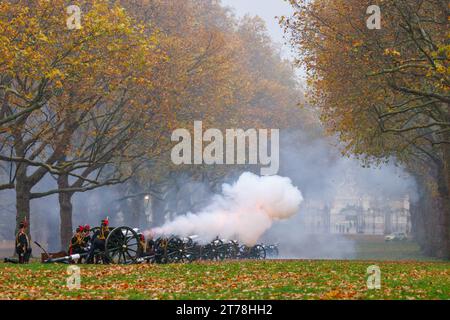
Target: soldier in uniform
point(87, 235)
point(142, 247)
point(151, 244)
point(98, 241)
point(23, 248)
point(76, 243)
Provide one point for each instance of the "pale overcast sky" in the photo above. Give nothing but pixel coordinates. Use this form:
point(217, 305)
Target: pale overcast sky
point(266, 9)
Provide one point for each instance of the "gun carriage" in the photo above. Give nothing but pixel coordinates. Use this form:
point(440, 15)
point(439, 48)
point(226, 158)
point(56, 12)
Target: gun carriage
point(124, 245)
point(272, 251)
point(256, 252)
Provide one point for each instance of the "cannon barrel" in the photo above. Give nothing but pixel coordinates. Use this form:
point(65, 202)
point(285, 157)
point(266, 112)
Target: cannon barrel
point(145, 259)
point(66, 258)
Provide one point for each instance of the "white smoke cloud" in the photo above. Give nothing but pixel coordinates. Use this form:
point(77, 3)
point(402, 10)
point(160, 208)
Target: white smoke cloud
point(244, 210)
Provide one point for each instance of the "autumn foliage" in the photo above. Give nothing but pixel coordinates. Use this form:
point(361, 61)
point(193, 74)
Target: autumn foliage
point(96, 106)
point(385, 92)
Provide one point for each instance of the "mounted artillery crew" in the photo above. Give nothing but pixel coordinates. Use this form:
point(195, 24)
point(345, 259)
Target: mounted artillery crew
point(80, 242)
point(87, 234)
point(98, 241)
point(77, 243)
point(84, 246)
point(104, 244)
point(124, 245)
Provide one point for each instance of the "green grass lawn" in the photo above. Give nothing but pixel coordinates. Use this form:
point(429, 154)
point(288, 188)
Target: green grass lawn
point(403, 276)
point(375, 248)
point(230, 280)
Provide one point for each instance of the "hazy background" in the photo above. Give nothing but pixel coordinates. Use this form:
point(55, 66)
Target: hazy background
point(314, 164)
point(268, 10)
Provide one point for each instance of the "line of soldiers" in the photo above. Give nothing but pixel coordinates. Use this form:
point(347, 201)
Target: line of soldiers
point(82, 241)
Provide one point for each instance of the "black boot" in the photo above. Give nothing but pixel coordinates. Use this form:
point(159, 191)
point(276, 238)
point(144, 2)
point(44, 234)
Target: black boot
point(9, 260)
point(27, 255)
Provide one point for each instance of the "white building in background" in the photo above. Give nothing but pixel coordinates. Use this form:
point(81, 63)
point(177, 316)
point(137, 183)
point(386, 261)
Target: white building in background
point(357, 216)
point(354, 212)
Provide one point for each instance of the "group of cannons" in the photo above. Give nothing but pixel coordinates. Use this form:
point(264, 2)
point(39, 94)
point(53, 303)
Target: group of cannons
point(184, 250)
point(125, 245)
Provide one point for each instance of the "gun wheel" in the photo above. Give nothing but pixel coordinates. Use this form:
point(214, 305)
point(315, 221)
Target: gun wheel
point(122, 246)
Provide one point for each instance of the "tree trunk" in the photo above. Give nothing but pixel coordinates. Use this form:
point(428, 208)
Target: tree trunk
point(137, 209)
point(445, 194)
point(65, 212)
point(136, 204)
point(442, 221)
point(23, 198)
point(158, 210)
point(417, 210)
point(428, 215)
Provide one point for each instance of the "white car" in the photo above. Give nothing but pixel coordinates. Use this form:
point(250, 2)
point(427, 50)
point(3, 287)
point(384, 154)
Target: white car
point(397, 236)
